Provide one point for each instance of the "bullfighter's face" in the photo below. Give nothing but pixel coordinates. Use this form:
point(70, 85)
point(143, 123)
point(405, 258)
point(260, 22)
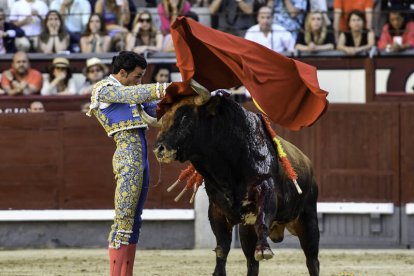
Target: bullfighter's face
point(132, 78)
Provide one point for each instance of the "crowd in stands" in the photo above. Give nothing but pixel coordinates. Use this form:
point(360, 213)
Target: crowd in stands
point(100, 26)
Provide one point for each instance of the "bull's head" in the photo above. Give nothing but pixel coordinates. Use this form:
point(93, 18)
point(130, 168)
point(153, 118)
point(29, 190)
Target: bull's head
point(178, 125)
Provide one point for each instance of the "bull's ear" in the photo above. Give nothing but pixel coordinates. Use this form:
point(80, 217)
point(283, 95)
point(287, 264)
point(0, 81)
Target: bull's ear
point(213, 106)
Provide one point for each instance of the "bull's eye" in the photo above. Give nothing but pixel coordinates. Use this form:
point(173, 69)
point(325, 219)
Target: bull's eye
point(183, 119)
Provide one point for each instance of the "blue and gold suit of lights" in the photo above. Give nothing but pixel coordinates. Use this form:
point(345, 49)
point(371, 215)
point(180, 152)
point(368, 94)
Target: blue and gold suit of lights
point(115, 107)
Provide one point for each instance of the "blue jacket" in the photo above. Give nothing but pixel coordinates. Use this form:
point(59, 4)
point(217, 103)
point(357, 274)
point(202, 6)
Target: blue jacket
point(116, 106)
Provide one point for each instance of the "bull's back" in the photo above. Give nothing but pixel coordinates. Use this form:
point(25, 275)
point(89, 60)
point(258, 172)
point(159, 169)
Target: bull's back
point(300, 162)
point(290, 203)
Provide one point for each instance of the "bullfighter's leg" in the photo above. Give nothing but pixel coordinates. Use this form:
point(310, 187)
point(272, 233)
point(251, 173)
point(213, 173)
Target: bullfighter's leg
point(264, 198)
point(223, 232)
point(130, 165)
point(308, 232)
point(248, 240)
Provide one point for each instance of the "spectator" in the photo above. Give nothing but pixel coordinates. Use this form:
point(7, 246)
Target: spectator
point(322, 7)
point(358, 39)
point(21, 79)
point(60, 80)
point(342, 9)
point(403, 5)
point(28, 15)
point(144, 36)
point(169, 10)
point(76, 14)
point(270, 35)
point(161, 74)
point(132, 8)
point(397, 34)
point(95, 39)
point(316, 36)
point(36, 107)
point(257, 4)
point(94, 71)
point(290, 14)
point(116, 15)
point(8, 34)
point(234, 16)
point(53, 38)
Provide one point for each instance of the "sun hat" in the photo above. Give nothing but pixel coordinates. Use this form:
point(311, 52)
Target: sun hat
point(60, 62)
point(92, 62)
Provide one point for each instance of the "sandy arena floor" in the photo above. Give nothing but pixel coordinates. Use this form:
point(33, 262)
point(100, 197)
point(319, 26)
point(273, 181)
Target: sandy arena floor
point(201, 262)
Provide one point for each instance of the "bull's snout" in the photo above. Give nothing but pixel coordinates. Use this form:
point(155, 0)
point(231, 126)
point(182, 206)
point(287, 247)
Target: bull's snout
point(163, 153)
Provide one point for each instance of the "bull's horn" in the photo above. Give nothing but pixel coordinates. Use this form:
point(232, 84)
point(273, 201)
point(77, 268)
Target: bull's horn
point(147, 118)
point(203, 93)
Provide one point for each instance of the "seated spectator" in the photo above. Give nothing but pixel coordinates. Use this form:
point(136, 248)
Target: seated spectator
point(94, 71)
point(8, 34)
point(358, 39)
point(234, 17)
point(397, 34)
point(95, 39)
point(36, 107)
point(60, 80)
point(161, 73)
point(270, 35)
point(342, 10)
point(28, 15)
point(75, 14)
point(257, 4)
point(290, 14)
point(116, 15)
point(144, 36)
point(53, 38)
point(316, 36)
point(169, 10)
point(322, 7)
point(21, 79)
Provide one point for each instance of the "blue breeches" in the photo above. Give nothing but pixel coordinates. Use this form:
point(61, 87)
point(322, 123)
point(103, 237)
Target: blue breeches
point(131, 169)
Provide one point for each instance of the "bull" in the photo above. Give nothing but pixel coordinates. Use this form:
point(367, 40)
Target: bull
point(244, 179)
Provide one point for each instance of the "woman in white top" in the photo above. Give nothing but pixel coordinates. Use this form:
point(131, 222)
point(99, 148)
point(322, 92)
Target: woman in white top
point(53, 38)
point(144, 36)
point(95, 39)
point(60, 80)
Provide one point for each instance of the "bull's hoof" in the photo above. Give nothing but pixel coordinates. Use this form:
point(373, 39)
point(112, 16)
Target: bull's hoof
point(263, 254)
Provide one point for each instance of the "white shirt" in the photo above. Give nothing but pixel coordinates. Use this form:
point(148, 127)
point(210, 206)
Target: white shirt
point(46, 91)
point(21, 9)
point(77, 15)
point(278, 39)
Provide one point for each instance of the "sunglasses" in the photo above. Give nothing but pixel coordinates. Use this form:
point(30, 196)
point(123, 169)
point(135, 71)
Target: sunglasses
point(148, 20)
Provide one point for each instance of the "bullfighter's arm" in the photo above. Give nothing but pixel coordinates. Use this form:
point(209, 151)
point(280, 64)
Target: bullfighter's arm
point(136, 94)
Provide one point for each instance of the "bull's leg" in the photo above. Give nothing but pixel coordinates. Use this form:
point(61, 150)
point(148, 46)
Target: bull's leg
point(223, 231)
point(308, 232)
point(248, 240)
point(264, 199)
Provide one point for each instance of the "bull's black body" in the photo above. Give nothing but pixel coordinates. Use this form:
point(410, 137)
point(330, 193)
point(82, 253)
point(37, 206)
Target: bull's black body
point(244, 180)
